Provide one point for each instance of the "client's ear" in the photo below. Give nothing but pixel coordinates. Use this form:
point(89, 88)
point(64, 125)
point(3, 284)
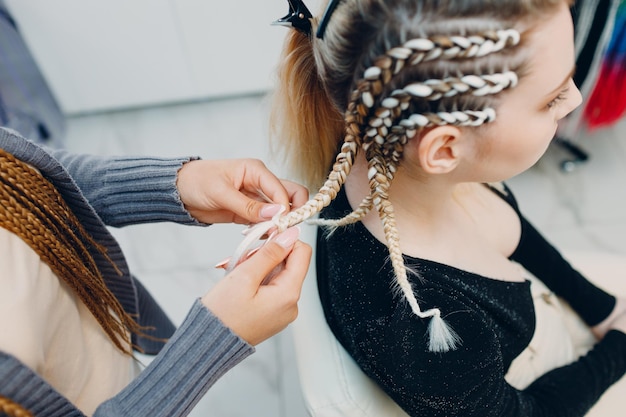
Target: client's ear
point(439, 149)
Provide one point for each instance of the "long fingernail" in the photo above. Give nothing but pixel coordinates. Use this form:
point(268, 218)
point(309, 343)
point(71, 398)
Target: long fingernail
point(287, 238)
point(222, 264)
point(270, 210)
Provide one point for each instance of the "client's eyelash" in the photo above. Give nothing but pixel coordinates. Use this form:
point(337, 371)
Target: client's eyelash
point(556, 100)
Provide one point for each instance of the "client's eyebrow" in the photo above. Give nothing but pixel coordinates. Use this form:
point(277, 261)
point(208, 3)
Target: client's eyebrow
point(565, 81)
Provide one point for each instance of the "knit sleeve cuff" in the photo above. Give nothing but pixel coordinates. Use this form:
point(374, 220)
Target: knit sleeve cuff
point(143, 190)
point(198, 354)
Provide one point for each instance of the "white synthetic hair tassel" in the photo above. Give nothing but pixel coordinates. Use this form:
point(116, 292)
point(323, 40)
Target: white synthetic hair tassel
point(441, 337)
point(252, 236)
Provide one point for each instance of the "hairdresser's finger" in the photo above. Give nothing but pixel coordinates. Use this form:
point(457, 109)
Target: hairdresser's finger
point(298, 194)
point(247, 209)
point(294, 271)
point(261, 180)
point(270, 255)
point(272, 189)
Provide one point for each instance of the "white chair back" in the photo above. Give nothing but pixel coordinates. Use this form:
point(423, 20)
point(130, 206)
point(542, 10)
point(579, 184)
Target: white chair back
point(332, 383)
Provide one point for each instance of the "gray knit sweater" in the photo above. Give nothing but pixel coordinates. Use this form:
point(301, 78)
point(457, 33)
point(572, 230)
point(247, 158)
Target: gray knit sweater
point(106, 191)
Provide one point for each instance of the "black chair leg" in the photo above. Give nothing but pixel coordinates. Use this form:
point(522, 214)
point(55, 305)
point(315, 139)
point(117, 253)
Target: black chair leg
point(578, 155)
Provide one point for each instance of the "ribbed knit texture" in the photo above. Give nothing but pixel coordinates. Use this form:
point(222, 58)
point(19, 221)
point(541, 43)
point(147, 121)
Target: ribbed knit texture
point(199, 353)
point(23, 386)
point(129, 190)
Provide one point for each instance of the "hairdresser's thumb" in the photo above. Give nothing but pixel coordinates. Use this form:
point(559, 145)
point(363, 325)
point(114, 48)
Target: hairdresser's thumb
point(270, 255)
point(256, 211)
point(267, 211)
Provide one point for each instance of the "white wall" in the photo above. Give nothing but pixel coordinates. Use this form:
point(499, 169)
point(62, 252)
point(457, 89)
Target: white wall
point(110, 54)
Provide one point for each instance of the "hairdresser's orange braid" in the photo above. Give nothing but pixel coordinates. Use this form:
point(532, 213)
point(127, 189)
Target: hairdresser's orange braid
point(9, 408)
point(34, 210)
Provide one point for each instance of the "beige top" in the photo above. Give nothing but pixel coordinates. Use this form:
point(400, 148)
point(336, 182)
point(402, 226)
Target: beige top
point(560, 336)
point(47, 327)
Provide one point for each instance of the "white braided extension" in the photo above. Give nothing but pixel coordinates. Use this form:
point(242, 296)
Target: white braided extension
point(419, 50)
point(432, 90)
point(331, 225)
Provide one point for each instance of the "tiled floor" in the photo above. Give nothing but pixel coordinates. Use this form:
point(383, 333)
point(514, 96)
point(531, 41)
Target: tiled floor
point(580, 210)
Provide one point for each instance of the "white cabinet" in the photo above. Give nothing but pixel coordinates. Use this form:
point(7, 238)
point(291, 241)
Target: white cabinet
point(111, 54)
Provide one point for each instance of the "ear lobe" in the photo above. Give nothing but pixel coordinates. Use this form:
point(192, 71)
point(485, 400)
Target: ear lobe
point(439, 149)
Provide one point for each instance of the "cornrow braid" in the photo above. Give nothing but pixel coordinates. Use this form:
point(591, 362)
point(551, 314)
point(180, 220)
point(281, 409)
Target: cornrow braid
point(420, 50)
point(32, 208)
point(432, 90)
point(9, 408)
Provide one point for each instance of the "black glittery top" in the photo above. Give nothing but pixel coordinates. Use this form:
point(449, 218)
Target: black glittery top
point(495, 320)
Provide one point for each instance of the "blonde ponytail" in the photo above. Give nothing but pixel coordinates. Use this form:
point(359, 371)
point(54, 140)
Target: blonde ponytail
point(304, 125)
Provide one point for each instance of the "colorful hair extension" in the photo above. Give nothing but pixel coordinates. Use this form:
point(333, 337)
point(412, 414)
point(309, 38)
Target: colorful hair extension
point(607, 102)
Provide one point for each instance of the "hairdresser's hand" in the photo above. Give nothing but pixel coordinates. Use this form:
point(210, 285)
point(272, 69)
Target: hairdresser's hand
point(232, 191)
point(257, 311)
point(615, 321)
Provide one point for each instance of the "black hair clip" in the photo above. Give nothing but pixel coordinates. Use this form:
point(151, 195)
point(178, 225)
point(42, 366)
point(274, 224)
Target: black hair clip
point(326, 17)
point(299, 17)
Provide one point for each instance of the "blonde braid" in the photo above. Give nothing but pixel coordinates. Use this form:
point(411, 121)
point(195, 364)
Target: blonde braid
point(337, 177)
point(331, 225)
point(376, 130)
point(393, 138)
point(9, 408)
point(383, 156)
point(391, 141)
point(442, 337)
point(387, 132)
point(379, 185)
point(32, 208)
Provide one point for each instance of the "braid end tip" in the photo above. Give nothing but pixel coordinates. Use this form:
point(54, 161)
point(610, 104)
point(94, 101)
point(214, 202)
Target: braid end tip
point(442, 338)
